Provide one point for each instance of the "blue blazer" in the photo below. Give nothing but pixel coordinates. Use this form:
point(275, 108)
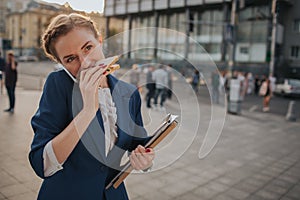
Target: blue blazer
point(87, 170)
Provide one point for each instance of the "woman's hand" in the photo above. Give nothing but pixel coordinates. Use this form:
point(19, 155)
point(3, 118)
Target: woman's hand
point(88, 84)
point(141, 158)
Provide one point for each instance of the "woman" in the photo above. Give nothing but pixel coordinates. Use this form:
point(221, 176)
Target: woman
point(82, 128)
point(11, 80)
point(267, 94)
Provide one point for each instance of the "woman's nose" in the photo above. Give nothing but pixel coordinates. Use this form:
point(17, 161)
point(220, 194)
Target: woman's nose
point(85, 61)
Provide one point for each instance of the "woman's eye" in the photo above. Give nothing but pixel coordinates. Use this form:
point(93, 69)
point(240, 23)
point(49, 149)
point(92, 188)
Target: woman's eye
point(70, 59)
point(89, 47)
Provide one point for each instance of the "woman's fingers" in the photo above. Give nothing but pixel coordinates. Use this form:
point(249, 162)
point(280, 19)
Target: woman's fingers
point(134, 160)
point(141, 158)
point(89, 81)
point(90, 75)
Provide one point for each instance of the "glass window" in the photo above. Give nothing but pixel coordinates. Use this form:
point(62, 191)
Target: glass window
point(259, 31)
point(215, 48)
point(172, 21)
point(205, 28)
point(245, 14)
point(181, 24)
point(244, 32)
point(297, 25)
point(217, 19)
point(295, 51)
point(244, 50)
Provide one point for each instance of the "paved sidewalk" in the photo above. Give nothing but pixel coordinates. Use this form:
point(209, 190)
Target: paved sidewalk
point(256, 157)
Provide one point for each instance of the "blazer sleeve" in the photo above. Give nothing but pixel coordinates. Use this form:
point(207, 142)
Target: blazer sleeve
point(50, 119)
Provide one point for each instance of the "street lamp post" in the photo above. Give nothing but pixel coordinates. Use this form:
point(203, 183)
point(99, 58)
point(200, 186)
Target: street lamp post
point(234, 100)
point(273, 41)
point(233, 38)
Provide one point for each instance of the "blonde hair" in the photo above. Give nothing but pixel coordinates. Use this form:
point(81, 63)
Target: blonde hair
point(62, 25)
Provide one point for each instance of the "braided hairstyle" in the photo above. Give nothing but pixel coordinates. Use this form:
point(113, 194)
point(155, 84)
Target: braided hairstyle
point(62, 25)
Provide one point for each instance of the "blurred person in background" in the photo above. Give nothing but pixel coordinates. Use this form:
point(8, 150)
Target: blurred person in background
point(11, 77)
point(170, 81)
point(160, 76)
point(195, 80)
point(150, 85)
point(2, 68)
point(266, 92)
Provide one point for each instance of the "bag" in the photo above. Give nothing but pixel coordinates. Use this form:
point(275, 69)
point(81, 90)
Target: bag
point(263, 89)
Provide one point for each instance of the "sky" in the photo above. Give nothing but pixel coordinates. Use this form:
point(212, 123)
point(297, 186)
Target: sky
point(82, 5)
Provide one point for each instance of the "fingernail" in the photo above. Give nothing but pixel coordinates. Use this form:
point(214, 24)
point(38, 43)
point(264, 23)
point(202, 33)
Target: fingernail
point(148, 150)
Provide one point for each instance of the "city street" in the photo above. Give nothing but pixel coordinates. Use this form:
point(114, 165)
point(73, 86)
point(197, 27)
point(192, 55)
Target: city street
point(256, 157)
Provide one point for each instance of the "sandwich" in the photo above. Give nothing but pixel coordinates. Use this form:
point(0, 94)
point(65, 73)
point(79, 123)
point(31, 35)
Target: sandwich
point(110, 63)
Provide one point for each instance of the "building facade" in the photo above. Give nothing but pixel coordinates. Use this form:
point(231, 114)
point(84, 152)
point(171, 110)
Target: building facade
point(209, 23)
point(25, 27)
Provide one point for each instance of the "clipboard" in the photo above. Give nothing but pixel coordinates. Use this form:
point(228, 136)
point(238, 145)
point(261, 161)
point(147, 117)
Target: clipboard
point(167, 125)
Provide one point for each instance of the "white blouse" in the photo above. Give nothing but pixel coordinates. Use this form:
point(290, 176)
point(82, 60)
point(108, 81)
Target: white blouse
point(109, 116)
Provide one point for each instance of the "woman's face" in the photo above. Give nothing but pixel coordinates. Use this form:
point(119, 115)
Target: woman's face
point(78, 49)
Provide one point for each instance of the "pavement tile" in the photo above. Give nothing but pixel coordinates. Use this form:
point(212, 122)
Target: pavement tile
point(178, 188)
point(294, 192)
point(276, 189)
point(197, 179)
point(137, 198)
point(222, 196)
point(187, 196)
point(267, 194)
point(262, 177)
point(246, 187)
point(219, 187)
point(236, 193)
point(25, 196)
point(156, 195)
point(13, 190)
point(33, 185)
point(2, 197)
point(139, 190)
point(257, 181)
point(209, 174)
point(281, 183)
point(6, 179)
point(227, 180)
point(205, 193)
point(290, 179)
point(288, 198)
point(255, 197)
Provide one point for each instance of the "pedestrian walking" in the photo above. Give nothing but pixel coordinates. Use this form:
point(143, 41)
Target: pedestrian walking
point(195, 81)
point(86, 119)
point(257, 84)
point(11, 77)
point(250, 83)
point(170, 81)
point(266, 92)
point(150, 85)
point(2, 68)
point(160, 76)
